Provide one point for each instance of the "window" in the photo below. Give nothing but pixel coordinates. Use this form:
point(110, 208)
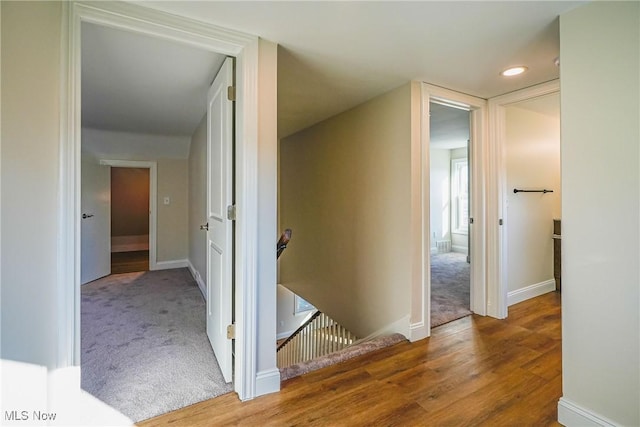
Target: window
point(460, 196)
point(301, 305)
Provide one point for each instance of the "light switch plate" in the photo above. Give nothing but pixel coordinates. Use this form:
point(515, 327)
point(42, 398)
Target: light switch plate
point(167, 200)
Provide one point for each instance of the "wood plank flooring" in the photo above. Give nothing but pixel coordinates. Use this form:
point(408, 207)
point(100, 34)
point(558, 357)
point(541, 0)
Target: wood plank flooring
point(473, 371)
point(129, 262)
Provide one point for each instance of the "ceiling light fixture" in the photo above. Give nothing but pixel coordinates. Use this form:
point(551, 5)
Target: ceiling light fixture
point(514, 71)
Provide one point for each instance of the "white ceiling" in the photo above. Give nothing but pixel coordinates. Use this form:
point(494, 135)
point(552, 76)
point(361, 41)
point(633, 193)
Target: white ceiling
point(332, 56)
point(139, 84)
point(336, 55)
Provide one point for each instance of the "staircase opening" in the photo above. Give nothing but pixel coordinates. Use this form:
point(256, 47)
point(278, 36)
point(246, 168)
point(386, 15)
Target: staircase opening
point(319, 340)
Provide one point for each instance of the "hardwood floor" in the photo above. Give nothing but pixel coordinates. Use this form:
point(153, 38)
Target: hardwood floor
point(129, 262)
point(473, 371)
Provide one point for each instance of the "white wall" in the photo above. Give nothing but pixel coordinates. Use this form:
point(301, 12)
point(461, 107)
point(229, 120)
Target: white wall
point(440, 195)
point(532, 162)
point(198, 199)
point(600, 51)
point(172, 226)
point(346, 194)
point(30, 148)
point(288, 320)
point(459, 241)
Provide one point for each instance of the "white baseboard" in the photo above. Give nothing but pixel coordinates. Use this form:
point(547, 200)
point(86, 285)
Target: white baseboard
point(531, 291)
point(166, 265)
point(196, 276)
point(418, 331)
point(460, 249)
point(570, 415)
point(267, 382)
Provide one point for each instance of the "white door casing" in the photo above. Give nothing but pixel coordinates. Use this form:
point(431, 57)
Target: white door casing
point(421, 286)
point(245, 48)
point(497, 288)
point(95, 221)
point(220, 227)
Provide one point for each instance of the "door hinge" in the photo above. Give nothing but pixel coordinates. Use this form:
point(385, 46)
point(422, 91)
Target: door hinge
point(500, 221)
point(231, 212)
point(231, 331)
point(470, 220)
point(231, 93)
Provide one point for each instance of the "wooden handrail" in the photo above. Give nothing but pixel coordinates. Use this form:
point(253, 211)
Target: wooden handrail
point(283, 241)
point(297, 331)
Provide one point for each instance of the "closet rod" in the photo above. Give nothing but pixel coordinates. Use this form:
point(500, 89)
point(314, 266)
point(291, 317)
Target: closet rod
point(544, 191)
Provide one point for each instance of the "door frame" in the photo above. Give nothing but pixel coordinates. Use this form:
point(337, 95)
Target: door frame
point(153, 199)
point(497, 181)
point(420, 323)
point(154, 23)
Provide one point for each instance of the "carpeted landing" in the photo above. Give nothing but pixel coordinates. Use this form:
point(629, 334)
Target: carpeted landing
point(450, 288)
point(144, 344)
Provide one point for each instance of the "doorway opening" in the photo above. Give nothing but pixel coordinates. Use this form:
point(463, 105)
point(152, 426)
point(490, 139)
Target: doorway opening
point(129, 219)
point(526, 134)
point(531, 256)
point(151, 100)
point(450, 196)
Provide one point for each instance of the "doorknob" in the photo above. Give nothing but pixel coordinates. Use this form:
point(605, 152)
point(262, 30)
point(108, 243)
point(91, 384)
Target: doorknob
point(85, 216)
point(204, 226)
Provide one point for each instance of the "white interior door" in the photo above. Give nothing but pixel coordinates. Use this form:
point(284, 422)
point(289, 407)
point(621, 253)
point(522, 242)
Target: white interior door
point(95, 240)
point(220, 231)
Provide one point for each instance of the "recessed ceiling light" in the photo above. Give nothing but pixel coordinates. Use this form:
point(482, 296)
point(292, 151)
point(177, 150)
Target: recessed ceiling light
point(514, 71)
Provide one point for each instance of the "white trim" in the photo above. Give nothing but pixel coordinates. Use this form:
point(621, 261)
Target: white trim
point(496, 181)
point(418, 331)
point(168, 265)
point(163, 25)
point(571, 414)
point(196, 276)
point(153, 200)
point(531, 291)
point(477, 161)
point(267, 381)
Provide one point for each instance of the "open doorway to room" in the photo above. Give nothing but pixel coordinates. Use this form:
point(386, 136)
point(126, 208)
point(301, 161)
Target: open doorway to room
point(129, 219)
point(533, 197)
point(449, 216)
point(147, 343)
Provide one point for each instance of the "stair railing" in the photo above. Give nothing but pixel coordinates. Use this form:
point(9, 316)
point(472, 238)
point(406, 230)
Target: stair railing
point(318, 336)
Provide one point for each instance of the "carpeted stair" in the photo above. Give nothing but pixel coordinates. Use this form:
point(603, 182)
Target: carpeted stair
point(340, 356)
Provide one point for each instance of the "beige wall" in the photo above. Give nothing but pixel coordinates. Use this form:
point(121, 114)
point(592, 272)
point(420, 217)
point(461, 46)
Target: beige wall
point(129, 201)
point(198, 199)
point(532, 162)
point(172, 233)
point(30, 149)
point(345, 191)
point(600, 127)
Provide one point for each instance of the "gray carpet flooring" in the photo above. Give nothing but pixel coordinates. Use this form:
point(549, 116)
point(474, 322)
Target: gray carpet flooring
point(450, 288)
point(144, 345)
